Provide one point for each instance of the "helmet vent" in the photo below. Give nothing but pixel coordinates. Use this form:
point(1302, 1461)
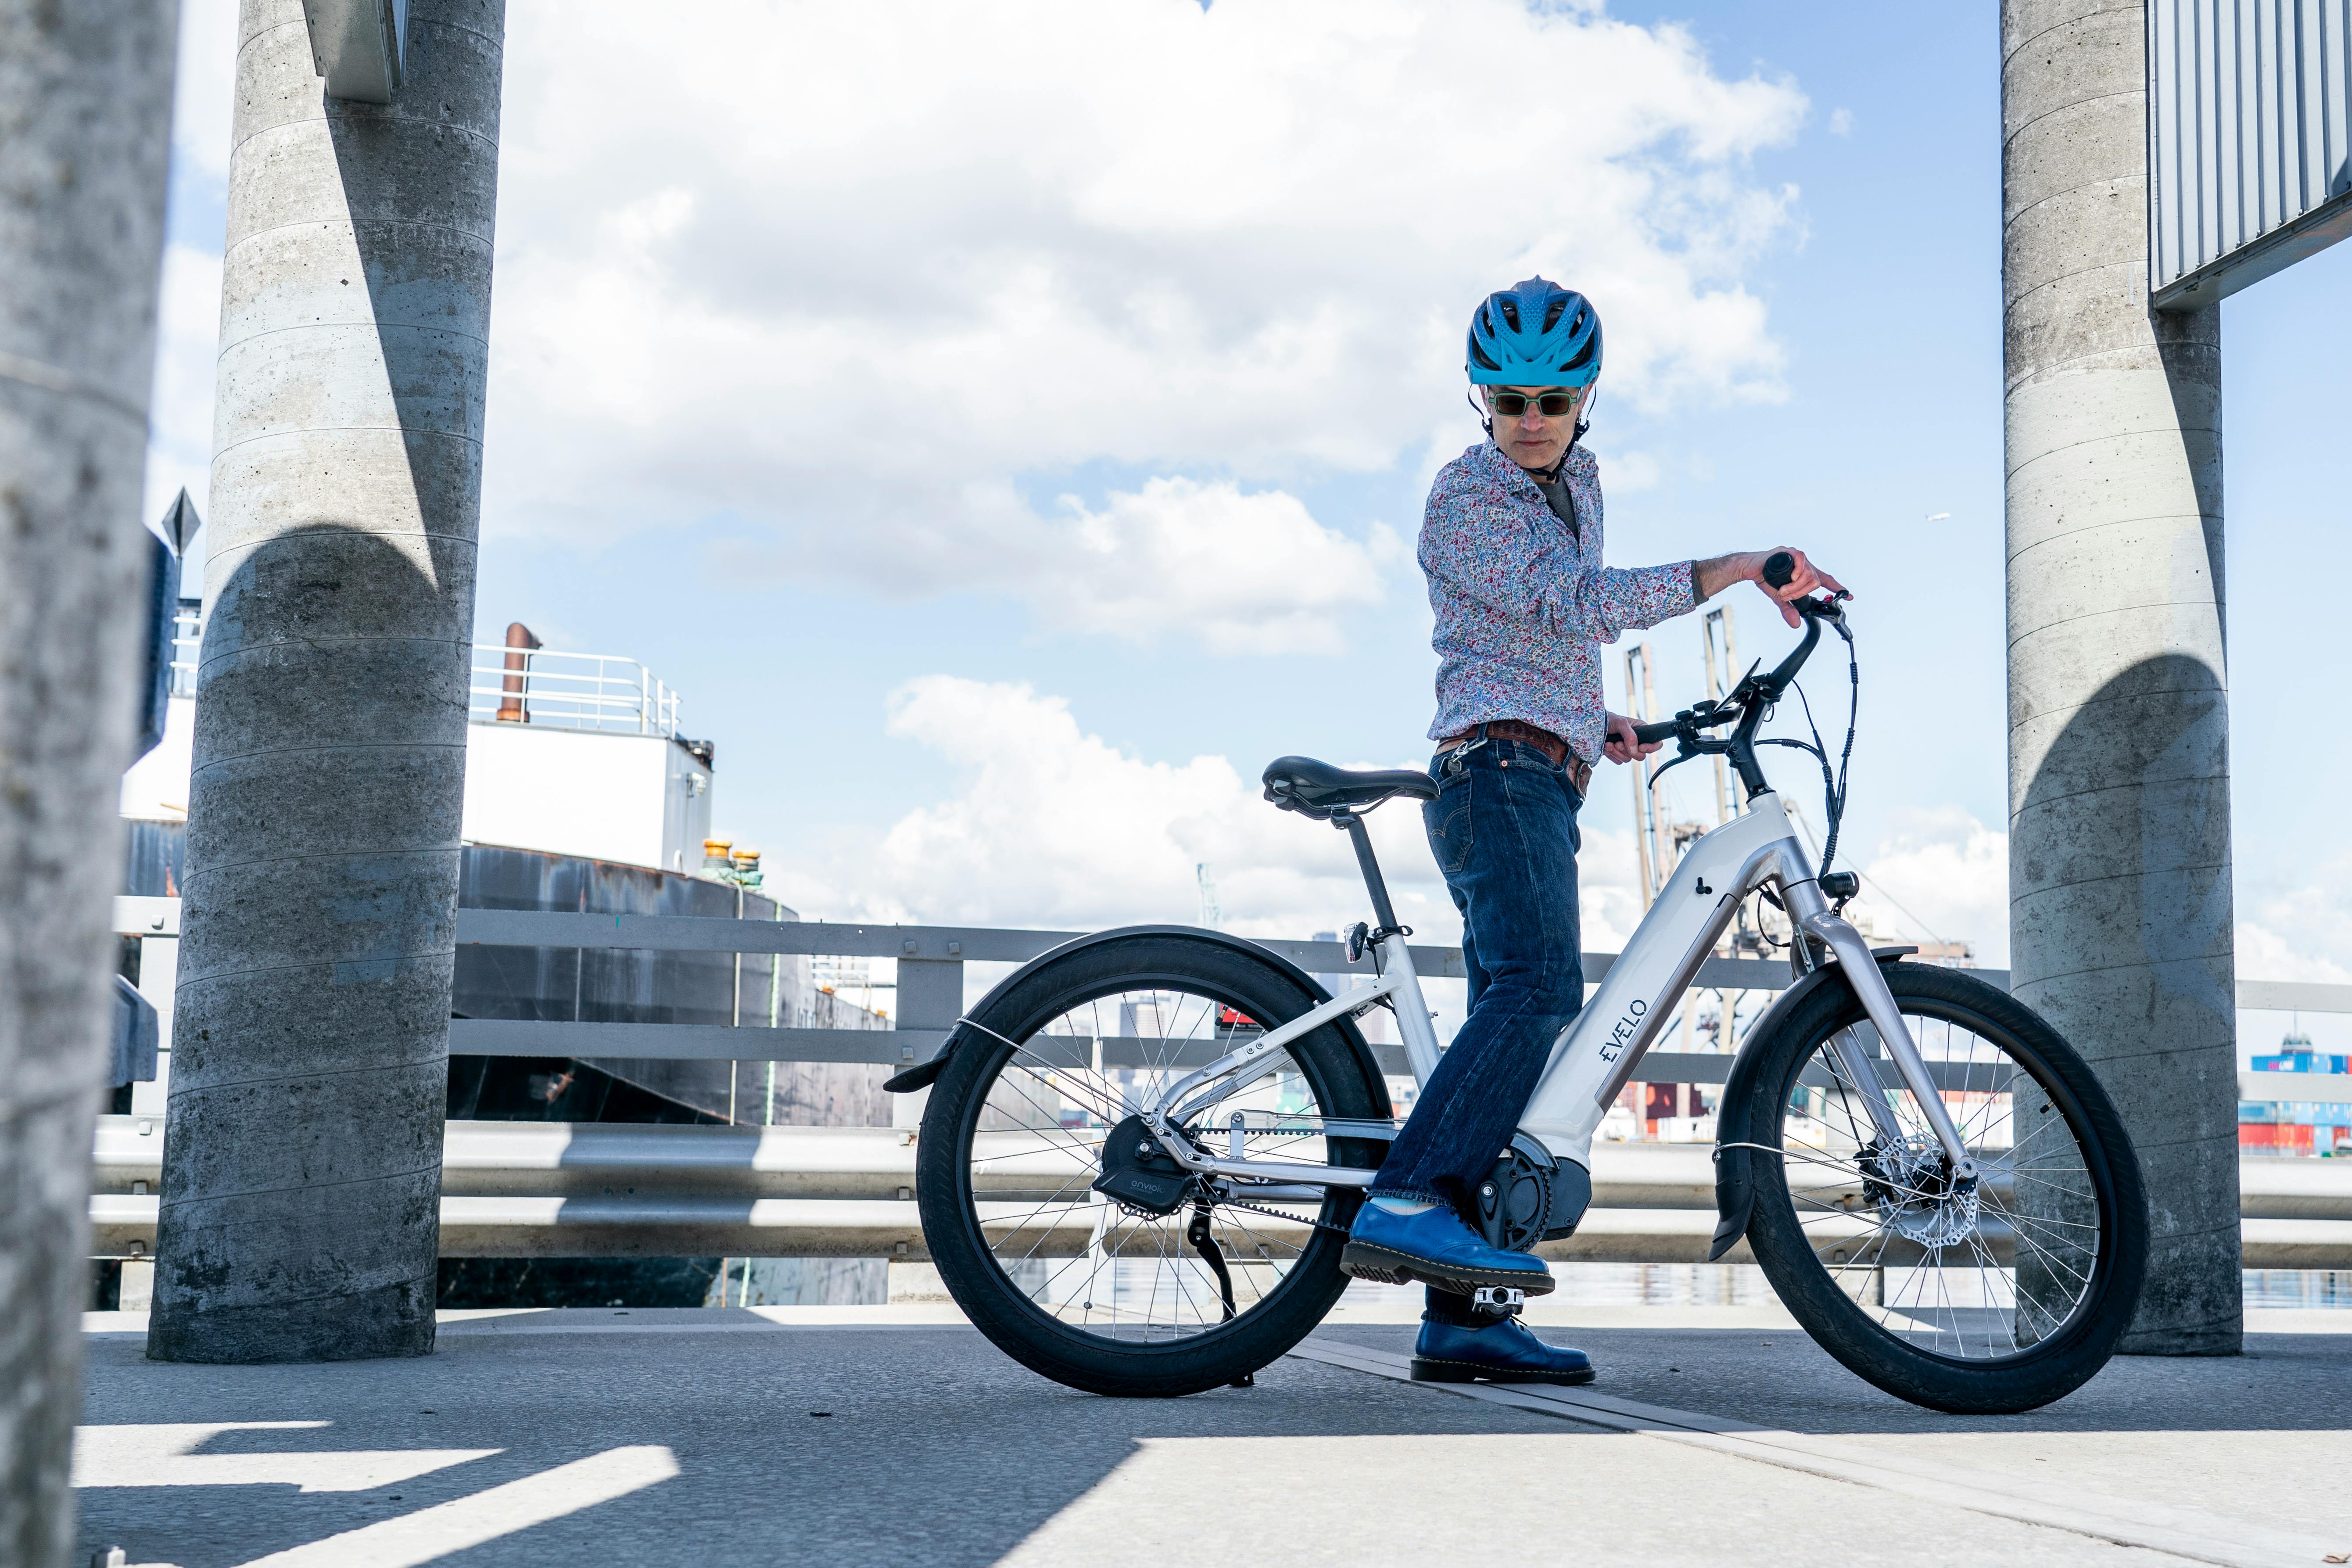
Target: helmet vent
point(1534, 333)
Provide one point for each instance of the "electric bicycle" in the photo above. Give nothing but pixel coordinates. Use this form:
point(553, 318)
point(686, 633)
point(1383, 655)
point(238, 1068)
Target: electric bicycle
point(1141, 1152)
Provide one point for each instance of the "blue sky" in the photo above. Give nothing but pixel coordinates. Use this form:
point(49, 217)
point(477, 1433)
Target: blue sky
point(816, 417)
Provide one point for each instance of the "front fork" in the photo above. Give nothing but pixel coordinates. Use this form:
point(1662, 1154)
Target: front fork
point(1810, 911)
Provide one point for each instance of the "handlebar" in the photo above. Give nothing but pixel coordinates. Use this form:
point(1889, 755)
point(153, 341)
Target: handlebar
point(1746, 702)
point(1779, 568)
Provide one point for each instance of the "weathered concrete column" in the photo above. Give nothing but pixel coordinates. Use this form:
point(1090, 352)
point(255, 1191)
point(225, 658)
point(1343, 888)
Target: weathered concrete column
point(301, 1171)
point(2118, 747)
point(85, 133)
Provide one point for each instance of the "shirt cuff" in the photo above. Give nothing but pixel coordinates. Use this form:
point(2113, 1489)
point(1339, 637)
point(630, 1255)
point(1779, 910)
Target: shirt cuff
point(1670, 590)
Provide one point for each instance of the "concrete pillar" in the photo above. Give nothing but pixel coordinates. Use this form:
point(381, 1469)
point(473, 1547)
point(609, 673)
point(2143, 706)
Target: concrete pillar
point(2118, 748)
point(85, 129)
point(301, 1167)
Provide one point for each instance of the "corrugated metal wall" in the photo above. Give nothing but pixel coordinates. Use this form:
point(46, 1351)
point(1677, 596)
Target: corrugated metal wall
point(2250, 140)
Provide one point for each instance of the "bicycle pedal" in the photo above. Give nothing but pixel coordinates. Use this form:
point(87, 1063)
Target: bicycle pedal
point(1504, 1300)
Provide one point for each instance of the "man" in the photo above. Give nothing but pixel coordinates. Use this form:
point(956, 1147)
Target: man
point(1511, 545)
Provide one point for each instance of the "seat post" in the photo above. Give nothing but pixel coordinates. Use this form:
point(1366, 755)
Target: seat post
point(1382, 911)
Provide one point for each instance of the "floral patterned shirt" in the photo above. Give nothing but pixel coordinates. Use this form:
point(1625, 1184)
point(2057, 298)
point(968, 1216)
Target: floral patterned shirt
point(1522, 601)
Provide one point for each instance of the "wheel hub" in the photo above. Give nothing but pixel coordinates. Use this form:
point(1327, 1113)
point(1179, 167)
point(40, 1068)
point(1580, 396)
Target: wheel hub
point(1137, 1171)
point(1911, 1185)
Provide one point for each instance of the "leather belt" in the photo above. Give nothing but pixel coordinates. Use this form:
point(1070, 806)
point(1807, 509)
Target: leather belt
point(1579, 771)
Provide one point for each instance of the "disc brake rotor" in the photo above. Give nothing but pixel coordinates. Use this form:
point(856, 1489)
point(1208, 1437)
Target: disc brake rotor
point(1915, 1193)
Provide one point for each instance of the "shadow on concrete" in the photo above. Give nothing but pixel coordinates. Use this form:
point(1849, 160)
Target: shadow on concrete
point(2120, 878)
point(933, 1447)
point(1780, 1378)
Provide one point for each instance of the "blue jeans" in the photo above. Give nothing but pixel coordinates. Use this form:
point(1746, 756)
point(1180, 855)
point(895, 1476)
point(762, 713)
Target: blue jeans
point(1503, 828)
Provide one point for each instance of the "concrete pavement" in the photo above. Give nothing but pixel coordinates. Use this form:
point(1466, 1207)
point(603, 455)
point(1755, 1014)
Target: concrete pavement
point(586, 1438)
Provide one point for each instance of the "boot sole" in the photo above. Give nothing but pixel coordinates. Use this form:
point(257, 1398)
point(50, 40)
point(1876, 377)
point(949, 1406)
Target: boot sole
point(1457, 1372)
point(1362, 1260)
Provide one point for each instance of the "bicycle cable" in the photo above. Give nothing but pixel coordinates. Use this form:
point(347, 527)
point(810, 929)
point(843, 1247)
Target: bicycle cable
point(1833, 788)
point(1835, 805)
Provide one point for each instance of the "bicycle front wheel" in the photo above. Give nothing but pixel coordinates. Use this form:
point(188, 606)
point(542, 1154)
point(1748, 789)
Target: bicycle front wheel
point(1994, 1297)
point(1180, 1289)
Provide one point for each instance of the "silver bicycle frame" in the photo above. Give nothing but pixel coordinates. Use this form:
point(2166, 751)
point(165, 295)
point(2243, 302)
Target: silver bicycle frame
point(1596, 1055)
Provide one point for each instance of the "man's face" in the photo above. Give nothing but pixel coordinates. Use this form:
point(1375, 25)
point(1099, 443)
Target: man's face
point(1534, 439)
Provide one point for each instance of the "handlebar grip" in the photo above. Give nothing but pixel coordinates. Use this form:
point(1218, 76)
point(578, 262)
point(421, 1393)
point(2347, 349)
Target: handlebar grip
point(1662, 731)
point(1779, 567)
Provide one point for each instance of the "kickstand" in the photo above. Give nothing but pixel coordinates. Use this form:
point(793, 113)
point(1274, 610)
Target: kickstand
point(1197, 1233)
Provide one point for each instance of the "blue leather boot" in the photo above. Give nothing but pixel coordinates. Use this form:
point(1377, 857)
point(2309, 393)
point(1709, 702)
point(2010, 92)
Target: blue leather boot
point(1500, 1350)
point(1436, 1248)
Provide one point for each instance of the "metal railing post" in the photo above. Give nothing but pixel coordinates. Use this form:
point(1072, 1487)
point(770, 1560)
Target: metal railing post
point(931, 996)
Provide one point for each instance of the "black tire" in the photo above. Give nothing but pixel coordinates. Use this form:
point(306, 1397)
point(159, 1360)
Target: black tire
point(1108, 1354)
point(2069, 1294)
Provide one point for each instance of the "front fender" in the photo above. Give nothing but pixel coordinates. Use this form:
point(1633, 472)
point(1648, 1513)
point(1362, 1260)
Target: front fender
point(922, 1074)
point(1735, 1114)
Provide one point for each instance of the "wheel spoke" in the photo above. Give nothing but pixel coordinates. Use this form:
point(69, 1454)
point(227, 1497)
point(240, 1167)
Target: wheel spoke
point(1140, 1277)
point(1981, 1273)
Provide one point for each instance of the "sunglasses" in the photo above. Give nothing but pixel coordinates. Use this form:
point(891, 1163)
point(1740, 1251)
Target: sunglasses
point(1550, 405)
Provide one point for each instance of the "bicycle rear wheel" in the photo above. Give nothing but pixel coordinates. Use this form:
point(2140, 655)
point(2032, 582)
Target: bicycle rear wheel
point(1992, 1298)
point(1120, 1297)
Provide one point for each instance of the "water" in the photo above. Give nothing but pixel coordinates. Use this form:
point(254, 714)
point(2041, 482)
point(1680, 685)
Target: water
point(1623, 1285)
point(837, 1282)
point(2298, 1287)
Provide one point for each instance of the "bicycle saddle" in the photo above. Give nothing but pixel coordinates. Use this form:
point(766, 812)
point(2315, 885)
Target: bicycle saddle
point(1317, 789)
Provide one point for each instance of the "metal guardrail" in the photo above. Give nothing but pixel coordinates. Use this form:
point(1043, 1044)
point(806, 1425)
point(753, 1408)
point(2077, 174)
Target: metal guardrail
point(520, 1189)
point(931, 962)
point(603, 693)
point(513, 1189)
point(931, 990)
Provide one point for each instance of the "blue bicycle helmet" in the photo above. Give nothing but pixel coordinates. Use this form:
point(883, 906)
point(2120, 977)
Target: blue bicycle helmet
point(1534, 333)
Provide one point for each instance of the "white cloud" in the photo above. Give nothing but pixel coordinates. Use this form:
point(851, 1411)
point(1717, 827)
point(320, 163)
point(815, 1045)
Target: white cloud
point(1049, 826)
point(1628, 473)
point(203, 91)
point(1840, 122)
point(180, 407)
point(879, 291)
point(1942, 874)
point(2302, 934)
point(1173, 556)
point(940, 256)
